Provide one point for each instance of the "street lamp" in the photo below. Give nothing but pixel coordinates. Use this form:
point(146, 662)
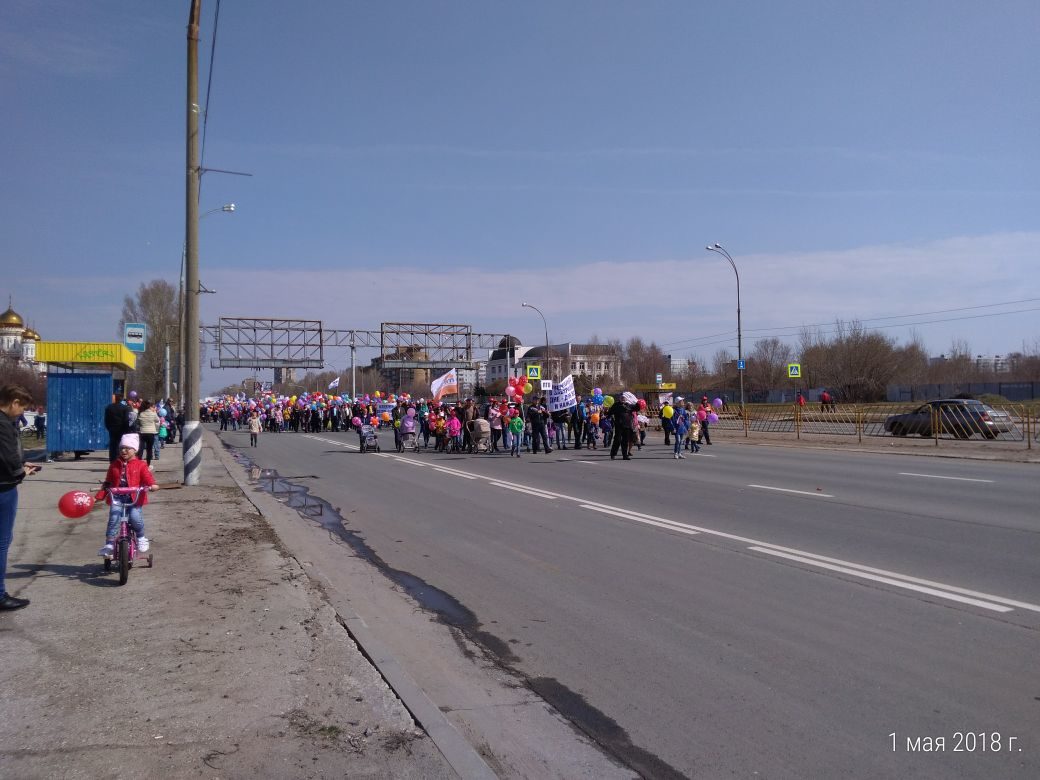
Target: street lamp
point(716, 247)
point(227, 208)
point(529, 306)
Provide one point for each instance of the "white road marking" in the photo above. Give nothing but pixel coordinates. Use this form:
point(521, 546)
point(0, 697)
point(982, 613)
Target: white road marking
point(670, 526)
point(788, 490)
point(886, 580)
point(984, 600)
point(453, 472)
point(937, 476)
point(525, 490)
point(905, 577)
point(411, 462)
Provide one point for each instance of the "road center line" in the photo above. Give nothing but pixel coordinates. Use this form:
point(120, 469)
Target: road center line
point(453, 472)
point(855, 569)
point(938, 476)
point(788, 490)
point(886, 580)
point(524, 490)
point(669, 526)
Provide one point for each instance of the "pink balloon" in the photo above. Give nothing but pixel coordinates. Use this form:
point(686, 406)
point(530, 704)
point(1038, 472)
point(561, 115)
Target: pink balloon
point(702, 415)
point(510, 391)
point(356, 422)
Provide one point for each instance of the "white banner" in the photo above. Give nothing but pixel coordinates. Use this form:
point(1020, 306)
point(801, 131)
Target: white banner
point(445, 385)
point(562, 395)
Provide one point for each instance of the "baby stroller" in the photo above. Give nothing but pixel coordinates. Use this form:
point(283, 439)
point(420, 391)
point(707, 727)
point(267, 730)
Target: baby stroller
point(368, 439)
point(479, 435)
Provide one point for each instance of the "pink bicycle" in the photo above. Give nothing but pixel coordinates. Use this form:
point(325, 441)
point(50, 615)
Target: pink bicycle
point(125, 553)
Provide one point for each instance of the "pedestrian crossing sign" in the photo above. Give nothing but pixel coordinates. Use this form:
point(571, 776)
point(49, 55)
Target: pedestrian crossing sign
point(794, 370)
point(534, 372)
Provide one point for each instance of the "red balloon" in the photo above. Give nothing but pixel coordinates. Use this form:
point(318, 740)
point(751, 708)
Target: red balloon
point(75, 504)
point(642, 403)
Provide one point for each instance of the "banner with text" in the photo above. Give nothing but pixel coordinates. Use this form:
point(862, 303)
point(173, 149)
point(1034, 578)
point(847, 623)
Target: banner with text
point(562, 395)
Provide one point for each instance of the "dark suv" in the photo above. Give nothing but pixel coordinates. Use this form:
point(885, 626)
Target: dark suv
point(958, 416)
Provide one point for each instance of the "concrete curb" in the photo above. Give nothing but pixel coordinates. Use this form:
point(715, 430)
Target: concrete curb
point(459, 754)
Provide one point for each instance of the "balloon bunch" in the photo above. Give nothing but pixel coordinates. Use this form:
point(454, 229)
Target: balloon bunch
point(517, 387)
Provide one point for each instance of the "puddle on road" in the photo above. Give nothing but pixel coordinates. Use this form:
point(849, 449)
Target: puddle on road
point(596, 724)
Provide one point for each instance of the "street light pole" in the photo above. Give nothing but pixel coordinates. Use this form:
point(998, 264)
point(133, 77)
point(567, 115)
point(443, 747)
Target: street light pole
point(192, 433)
point(547, 361)
point(740, 343)
point(229, 208)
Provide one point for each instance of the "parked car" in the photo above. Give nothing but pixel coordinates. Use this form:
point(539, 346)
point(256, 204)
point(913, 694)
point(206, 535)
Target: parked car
point(958, 416)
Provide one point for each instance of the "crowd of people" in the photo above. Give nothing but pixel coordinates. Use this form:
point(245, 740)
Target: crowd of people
point(509, 424)
point(156, 423)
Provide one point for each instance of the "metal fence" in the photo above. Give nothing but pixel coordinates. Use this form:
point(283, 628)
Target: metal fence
point(1006, 423)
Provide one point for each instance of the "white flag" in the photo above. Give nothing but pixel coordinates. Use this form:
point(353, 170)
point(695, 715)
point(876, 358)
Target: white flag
point(334, 384)
point(562, 395)
point(445, 385)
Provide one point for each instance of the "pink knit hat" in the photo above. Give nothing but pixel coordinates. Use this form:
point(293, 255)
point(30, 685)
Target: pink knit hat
point(130, 440)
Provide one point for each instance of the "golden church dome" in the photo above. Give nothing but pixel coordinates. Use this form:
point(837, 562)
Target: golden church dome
point(10, 319)
point(29, 333)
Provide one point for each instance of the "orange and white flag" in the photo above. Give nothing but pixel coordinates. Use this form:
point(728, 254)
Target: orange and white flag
point(445, 385)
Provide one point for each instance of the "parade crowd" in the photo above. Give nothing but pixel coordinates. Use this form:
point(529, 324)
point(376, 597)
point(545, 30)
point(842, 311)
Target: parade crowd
point(508, 424)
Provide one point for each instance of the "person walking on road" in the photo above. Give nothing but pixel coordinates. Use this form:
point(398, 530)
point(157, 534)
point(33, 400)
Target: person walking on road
point(13, 469)
point(707, 410)
point(537, 416)
point(621, 414)
point(255, 427)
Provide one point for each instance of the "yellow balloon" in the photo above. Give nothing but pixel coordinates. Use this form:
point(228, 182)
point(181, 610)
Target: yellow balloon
point(528, 388)
point(608, 401)
point(667, 412)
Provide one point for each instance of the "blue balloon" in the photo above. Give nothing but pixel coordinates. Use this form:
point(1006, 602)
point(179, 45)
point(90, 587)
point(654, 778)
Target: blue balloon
point(597, 399)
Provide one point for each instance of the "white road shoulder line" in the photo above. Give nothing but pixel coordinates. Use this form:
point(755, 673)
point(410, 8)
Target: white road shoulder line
point(788, 490)
point(524, 490)
point(938, 476)
point(886, 580)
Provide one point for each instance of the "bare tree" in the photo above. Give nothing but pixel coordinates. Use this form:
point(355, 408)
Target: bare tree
point(155, 304)
point(12, 372)
point(642, 362)
point(767, 364)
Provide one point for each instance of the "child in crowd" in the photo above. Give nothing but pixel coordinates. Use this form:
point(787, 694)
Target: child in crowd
point(127, 471)
point(255, 426)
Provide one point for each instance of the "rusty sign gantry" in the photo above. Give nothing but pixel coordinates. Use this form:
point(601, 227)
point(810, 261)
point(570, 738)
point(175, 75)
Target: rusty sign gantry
point(252, 342)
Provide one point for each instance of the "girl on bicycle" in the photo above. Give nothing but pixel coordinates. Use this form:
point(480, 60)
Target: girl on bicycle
point(127, 471)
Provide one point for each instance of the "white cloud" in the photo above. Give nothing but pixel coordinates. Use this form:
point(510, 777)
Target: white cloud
point(671, 301)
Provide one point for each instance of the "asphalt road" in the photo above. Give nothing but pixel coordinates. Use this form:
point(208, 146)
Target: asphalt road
point(748, 610)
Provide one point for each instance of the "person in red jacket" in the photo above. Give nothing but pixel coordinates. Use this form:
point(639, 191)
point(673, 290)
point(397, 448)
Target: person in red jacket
point(127, 471)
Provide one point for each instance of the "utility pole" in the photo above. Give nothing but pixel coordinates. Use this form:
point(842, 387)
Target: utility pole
point(191, 436)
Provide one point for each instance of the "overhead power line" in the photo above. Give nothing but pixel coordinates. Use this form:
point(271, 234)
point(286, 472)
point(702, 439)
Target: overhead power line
point(209, 80)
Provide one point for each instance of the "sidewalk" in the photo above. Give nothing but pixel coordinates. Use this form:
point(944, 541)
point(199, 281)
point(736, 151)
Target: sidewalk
point(224, 660)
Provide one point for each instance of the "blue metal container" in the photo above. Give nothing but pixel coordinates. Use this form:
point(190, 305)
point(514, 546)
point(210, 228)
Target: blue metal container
point(76, 411)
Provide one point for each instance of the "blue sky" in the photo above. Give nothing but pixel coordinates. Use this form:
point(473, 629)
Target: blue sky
point(444, 161)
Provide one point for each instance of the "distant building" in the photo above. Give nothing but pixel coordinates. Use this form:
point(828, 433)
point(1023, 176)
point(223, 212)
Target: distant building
point(594, 360)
